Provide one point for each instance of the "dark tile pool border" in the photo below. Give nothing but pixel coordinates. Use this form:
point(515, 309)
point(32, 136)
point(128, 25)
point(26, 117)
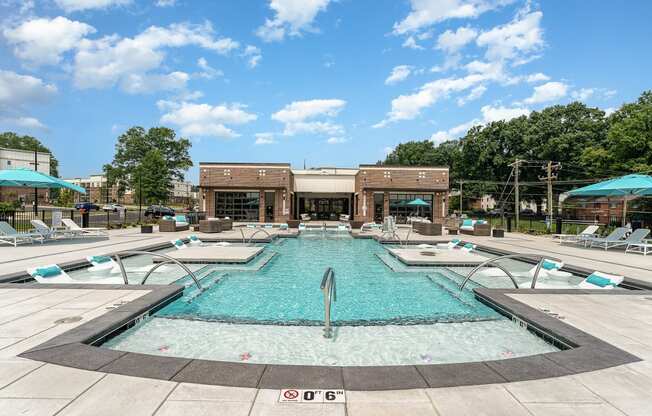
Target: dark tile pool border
point(76, 348)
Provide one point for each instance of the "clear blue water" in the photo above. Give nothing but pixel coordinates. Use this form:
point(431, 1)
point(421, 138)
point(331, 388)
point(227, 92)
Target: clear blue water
point(287, 290)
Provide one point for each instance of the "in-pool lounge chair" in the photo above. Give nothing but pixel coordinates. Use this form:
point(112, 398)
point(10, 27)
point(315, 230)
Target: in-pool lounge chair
point(101, 263)
point(50, 273)
point(179, 244)
point(84, 232)
point(599, 280)
point(9, 235)
point(589, 231)
point(194, 241)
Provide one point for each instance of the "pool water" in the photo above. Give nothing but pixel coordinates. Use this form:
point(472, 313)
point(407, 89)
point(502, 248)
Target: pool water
point(274, 313)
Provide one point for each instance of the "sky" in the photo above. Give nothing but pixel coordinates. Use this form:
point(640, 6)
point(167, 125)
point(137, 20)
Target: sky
point(325, 82)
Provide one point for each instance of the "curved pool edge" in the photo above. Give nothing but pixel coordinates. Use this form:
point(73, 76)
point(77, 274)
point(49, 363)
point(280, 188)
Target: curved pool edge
point(76, 348)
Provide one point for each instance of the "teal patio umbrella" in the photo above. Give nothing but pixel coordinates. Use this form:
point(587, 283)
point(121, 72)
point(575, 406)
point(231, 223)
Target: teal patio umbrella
point(626, 187)
point(27, 178)
point(418, 203)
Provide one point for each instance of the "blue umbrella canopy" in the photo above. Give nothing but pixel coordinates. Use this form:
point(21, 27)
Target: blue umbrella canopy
point(419, 203)
point(26, 178)
point(634, 184)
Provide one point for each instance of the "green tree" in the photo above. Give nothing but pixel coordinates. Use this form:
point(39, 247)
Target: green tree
point(12, 140)
point(66, 198)
point(155, 156)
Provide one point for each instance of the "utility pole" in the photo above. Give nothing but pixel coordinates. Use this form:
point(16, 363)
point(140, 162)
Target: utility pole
point(549, 168)
point(517, 205)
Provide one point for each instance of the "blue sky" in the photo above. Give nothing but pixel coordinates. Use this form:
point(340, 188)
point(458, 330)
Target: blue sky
point(332, 82)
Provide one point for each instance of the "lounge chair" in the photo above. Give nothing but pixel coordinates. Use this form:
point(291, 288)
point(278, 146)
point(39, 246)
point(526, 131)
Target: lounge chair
point(616, 238)
point(9, 235)
point(599, 280)
point(46, 232)
point(178, 244)
point(101, 263)
point(305, 217)
point(468, 247)
point(169, 224)
point(50, 273)
point(370, 226)
point(450, 245)
point(283, 226)
point(588, 232)
point(302, 227)
point(90, 232)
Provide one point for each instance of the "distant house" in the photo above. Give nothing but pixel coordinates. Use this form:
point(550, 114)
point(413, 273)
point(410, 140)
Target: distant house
point(23, 159)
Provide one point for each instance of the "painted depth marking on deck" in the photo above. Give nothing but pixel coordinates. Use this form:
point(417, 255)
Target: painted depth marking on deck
point(311, 396)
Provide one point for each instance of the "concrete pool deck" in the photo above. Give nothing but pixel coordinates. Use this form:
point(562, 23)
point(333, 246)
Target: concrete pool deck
point(213, 254)
point(28, 318)
point(444, 257)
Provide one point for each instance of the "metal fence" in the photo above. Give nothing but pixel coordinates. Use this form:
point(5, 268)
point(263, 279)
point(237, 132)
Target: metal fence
point(21, 220)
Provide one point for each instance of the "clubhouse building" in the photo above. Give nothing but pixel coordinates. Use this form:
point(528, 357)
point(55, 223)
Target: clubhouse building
point(274, 192)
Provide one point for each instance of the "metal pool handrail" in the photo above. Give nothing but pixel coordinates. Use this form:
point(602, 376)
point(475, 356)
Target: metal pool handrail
point(169, 259)
point(493, 261)
point(330, 294)
point(256, 232)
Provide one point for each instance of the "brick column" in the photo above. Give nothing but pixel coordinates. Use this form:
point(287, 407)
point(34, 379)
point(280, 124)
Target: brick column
point(385, 204)
point(436, 206)
point(261, 207)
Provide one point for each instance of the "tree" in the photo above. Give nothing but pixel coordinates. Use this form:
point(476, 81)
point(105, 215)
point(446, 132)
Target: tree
point(155, 156)
point(65, 198)
point(11, 140)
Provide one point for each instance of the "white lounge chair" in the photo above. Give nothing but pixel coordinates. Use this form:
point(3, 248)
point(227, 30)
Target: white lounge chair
point(91, 232)
point(101, 263)
point(48, 233)
point(617, 240)
point(9, 235)
point(589, 231)
point(599, 280)
point(179, 244)
point(468, 247)
point(50, 273)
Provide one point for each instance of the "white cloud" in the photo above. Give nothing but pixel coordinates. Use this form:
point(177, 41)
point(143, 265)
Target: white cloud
point(387, 150)
point(583, 94)
point(475, 93)
point(609, 111)
point(148, 83)
point(43, 41)
point(29, 123)
point(19, 90)
point(79, 5)
point(204, 120)
point(538, 77)
point(208, 71)
point(489, 115)
point(299, 117)
point(550, 91)
point(411, 43)
point(264, 138)
point(165, 3)
point(336, 140)
point(111, 59)
point(253, 55)
point(291, 18)
point(451, 42)
point(514, 40)
point(399, 73)
point(425, 13)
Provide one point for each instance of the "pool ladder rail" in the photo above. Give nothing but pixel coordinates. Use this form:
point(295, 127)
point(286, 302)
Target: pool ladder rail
point(493, 262)
point(330, 295)
point(167, 258)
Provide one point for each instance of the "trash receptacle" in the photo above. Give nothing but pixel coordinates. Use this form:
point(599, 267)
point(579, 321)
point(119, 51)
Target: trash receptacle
point(85, 218)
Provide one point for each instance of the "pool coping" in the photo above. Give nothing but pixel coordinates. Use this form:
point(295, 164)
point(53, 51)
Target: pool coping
point(75, 348)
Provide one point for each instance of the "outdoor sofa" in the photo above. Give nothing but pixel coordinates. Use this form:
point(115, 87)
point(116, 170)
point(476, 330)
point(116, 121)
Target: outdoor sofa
point(475, 227)
point(172, 224)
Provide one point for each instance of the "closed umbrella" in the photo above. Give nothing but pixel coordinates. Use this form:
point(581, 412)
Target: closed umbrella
point(627, 187)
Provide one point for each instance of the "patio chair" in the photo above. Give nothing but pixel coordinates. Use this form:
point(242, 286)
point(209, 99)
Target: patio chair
point(636, 237)
point(79, 231)
point(305, 217)
point(616, 235)
point(9, 235)
point(589, 231)
point(49, 233)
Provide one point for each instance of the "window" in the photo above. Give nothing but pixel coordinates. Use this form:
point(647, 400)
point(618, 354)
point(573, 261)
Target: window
point(239, 206)
point(399, 208)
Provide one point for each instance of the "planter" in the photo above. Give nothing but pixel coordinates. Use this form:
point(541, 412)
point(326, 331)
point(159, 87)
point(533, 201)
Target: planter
point(356, 224)
point(293, 223)
point(146, 229)
point(498, 233)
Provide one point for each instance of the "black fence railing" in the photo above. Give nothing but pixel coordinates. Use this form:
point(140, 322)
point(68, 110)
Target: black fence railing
point(21, 220)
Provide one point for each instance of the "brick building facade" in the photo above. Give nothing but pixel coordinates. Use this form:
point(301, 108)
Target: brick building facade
point(274, 192)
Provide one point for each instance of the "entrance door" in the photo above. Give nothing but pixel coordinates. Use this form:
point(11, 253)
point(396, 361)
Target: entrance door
point(269, 206)
point(379, 204)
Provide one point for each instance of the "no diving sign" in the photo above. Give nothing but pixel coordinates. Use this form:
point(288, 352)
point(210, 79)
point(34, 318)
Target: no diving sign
point(311, 396)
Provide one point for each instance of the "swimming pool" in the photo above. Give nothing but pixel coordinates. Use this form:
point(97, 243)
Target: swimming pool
point(275, 313)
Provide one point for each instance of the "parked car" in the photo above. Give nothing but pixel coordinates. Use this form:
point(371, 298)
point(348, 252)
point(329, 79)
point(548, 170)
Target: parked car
point(158, 211)
point(112, 207)
point(87, 206)
point(528, 211)
point(496, 211)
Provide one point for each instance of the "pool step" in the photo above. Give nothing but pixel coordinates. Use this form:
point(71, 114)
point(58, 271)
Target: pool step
point(206, 283)
point(443, 282)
